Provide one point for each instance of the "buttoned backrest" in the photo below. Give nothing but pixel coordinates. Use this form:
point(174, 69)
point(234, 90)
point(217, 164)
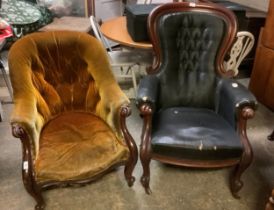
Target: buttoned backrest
point(188, 44)
point(62, 70)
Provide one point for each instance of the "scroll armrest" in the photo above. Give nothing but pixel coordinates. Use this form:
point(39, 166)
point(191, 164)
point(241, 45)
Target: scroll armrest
point(148, 91)
point(110, 105)
point(26, 122)
point(231, 98)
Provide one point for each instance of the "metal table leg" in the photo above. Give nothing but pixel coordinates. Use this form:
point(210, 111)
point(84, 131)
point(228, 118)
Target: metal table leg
point(1, 112)
point(7, 81)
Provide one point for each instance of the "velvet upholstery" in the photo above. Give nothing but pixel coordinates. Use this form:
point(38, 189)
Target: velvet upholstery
point(77, 145)
point(57, 73)
point(191, 110)
point(68, 102)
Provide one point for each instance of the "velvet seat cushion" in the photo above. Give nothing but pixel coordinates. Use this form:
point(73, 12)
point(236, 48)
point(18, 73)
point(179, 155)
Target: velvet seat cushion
point(77, 145)
point(194, 133)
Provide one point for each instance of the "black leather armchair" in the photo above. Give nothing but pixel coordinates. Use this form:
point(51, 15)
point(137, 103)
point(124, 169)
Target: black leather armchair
point(193, 114)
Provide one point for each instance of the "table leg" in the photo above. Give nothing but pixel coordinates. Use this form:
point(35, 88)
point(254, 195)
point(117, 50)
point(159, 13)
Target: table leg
point(1, 112)
point(5, 76)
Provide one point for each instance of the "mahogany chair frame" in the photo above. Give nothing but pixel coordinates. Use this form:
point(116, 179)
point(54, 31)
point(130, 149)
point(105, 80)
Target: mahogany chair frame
point(28, 173)
point(147, 110)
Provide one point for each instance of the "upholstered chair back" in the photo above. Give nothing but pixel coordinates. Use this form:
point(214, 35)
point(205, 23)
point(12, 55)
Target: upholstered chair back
point(189, 43)
point(59, 75)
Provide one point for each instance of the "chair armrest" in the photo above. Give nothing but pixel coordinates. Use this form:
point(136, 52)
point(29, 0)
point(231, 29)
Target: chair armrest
point(26, 118)
point(148, 91)
point(231, 98)
point(110, 105)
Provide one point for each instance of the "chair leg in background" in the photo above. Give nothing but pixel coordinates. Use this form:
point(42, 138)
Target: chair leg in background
point(271, 136)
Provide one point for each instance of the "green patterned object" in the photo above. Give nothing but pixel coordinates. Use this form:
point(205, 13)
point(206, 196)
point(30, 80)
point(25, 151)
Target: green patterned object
point(24, 17)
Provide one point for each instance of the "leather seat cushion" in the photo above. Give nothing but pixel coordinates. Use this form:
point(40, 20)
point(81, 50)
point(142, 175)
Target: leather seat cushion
point(77, 145)
point(194, 133)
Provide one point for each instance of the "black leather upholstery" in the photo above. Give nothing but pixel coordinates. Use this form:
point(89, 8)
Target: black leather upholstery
point(195, 111)
point(189, 44)
point(148, 90)
point(231, 97)
point(193, 115)
point(194, 133)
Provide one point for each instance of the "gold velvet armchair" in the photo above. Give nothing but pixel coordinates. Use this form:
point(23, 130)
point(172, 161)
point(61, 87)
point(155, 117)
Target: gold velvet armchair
point(69, 112)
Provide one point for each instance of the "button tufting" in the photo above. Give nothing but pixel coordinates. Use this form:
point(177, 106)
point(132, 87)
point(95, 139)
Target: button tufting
point(234, 84)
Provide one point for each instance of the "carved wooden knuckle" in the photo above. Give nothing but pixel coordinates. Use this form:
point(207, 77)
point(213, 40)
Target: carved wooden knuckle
point(248, 113)
point(146, 109)
point(125, 111)
point(17, 131)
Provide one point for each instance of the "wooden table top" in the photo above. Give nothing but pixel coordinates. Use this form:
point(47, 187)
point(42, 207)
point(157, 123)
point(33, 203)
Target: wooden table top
point(116, 30)
point(81, 24)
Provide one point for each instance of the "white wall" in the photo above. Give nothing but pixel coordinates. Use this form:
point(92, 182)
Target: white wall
point(108, 9)
point(257, 4)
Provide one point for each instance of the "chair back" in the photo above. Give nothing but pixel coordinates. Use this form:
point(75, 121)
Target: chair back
point(62, 70)
point(190, 41)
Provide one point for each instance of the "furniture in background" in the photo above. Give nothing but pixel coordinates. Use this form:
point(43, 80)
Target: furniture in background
point(249, 19)
point(69, 112)
point(104, 9)
point(24, 17)
point(5, 32)
point(260, 5)
point(116, 30)
point(193, 115)
point(240, 49)
point(125, 60)
point(262, 77)
point(68, 23)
